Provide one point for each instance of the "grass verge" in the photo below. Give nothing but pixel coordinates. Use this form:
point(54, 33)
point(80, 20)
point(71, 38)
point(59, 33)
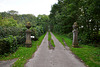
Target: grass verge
point(50, 39)
point(89, 54)
point(23, 53)
point(49, 36)
point(52, 42)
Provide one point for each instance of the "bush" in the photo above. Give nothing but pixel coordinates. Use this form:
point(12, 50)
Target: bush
point(95, 40)
point(8, 45)
point(89, 39)
point(21, 40)
point(4, 46)
point(70, 35)
point(15, 31)
point(6, 31)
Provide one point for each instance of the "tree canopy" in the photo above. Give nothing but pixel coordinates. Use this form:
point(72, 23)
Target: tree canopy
point(84, 12)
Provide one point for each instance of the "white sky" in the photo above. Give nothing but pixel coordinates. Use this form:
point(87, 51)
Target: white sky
point(35, 7)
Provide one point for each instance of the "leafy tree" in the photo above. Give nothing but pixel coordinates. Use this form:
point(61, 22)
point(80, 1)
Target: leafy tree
point(84, 12)
point(8, 22)
point(12, 12)
point(43, 20)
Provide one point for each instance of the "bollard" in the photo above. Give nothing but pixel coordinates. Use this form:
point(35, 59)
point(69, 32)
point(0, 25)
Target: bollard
point(28, 42)
point(75, 35)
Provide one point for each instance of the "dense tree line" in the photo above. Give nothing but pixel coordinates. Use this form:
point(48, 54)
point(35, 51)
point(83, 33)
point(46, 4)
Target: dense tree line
point(13, 19)
point(85, 12)
point(12, 29)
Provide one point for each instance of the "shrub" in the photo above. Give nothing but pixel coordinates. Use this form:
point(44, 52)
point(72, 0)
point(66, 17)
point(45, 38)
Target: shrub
point(21, 40)
point(8, 45)
point(6, 31)
point(15, 31)
point(4, 46)
point(95, 40)
point(70, 35)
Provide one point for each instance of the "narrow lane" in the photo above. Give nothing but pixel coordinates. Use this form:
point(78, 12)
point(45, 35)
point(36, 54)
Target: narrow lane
point(42, 56)
point(63, 57)
point(59, 57)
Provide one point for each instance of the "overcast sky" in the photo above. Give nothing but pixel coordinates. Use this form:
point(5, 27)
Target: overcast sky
point(35, 7)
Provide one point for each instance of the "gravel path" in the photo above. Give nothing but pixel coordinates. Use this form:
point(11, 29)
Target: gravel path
point(59, 57)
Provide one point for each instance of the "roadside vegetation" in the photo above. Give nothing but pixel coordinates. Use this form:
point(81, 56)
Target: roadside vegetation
point(51, 42)
point(13, 27)
point(88, 54)
point(62, 16)
point(13, 35)
point(49, 36)
point(85, 12)
point(23, 53)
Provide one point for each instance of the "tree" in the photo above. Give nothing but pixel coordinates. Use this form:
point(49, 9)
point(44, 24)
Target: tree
point(12, 12)
point(84, 12)
point(43, 20)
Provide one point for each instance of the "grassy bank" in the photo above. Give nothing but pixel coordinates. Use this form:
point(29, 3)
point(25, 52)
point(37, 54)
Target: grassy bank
point(89, 54)
point(23, 53)
point(51, 40)
point(49, 36)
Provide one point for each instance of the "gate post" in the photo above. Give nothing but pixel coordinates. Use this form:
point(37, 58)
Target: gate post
point(28, 42)
point(75, 35)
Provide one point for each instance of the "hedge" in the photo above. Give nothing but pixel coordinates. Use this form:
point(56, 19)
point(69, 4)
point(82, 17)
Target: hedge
point(8, 45)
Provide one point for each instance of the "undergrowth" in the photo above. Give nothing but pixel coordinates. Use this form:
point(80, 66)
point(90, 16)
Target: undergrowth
point(23, 53)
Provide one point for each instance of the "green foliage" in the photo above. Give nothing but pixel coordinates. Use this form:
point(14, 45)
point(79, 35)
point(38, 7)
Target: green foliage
point(43, 20)
point(13, 24)
point(88, 54)
point(12, 12)
point(8, 45)
point(49, 36)
point(11, 18)
point(70, 35)
point(50, 39)
point(23, 53)
point(84, 12)
point(92, 39)
point(21, 40)
point(6, 31)
point(61, 37)
point(4, 46)
point(52, 42)
point(8, 22)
